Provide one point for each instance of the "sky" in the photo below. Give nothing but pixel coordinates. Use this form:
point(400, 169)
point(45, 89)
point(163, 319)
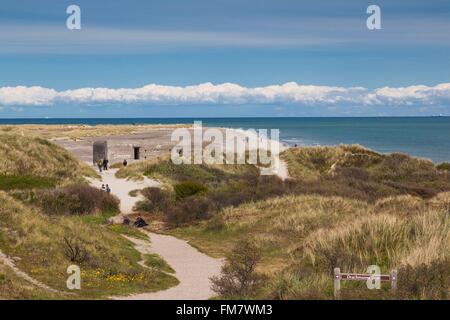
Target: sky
point(232, 58)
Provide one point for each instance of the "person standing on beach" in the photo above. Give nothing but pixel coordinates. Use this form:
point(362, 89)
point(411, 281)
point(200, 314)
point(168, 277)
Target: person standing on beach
point(108, 189)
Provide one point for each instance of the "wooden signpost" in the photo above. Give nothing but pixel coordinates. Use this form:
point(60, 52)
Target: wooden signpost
point(338, 277)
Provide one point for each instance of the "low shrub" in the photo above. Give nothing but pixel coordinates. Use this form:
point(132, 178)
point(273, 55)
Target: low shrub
point(239, 277)
point(75, 251)
point(188, 210)
point(188, 188)
point(156, 199)
point(77, 199)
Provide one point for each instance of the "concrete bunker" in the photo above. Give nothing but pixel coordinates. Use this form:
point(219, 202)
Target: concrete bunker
point(100, 151)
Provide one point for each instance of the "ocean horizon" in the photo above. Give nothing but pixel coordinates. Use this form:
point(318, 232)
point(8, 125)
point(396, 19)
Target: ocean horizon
point(426, 137)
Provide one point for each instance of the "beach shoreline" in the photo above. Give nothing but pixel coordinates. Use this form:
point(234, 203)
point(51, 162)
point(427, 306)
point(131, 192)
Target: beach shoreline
point(419, 137)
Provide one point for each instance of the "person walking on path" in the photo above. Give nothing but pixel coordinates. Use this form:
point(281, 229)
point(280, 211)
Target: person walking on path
point(103, 187)
point(105, 164)
point(100, 165)
point(108, 189)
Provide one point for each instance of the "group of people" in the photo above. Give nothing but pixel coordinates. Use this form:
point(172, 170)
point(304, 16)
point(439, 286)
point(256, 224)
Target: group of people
point(139, 223)
point(106, 188)
point(102, 164)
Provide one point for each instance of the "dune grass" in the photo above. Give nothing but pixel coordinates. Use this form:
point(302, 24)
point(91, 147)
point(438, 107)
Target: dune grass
point(31, 158)
point(13, 287)
point(302, 238)
point(109, 264)
point(8, 182)
point(356, 172)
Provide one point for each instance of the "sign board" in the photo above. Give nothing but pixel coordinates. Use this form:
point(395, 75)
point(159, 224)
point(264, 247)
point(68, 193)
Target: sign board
point(366, 277)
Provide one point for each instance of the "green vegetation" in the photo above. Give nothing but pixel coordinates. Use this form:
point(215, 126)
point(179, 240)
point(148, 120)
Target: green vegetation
point(25, 182)
point(156, 262)
point(188, 188)
point(444, 166)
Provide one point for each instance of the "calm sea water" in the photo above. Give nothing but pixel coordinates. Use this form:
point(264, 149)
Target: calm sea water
point(427, 137)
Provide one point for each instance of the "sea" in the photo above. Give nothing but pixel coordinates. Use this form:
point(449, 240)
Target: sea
point(425, 137)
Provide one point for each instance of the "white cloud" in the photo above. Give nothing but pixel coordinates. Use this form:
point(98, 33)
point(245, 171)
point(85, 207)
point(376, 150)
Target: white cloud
point(229, 93)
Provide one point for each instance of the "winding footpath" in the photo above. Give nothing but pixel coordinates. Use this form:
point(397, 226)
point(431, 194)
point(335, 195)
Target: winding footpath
point(192, 268)
point(7, 261)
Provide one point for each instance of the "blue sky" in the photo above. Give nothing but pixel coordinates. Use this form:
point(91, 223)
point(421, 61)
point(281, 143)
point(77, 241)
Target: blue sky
point(249, 43)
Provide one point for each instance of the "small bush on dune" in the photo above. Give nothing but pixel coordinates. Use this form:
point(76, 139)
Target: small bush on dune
point(74, 250)
point(239, 277)
point(76, 199)
point(188, 210)
point(188, 188)
point(156, 200)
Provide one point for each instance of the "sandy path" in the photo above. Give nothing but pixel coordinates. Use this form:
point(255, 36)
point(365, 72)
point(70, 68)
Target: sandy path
point(192, 268)
point(121, 188)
